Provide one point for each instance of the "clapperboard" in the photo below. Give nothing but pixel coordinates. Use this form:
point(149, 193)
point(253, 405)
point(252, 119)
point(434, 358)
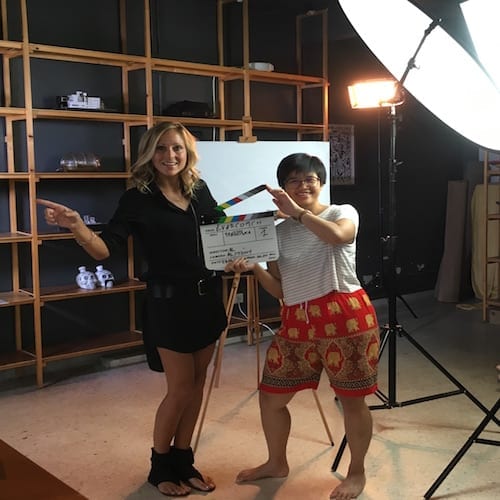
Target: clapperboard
point(252, 236)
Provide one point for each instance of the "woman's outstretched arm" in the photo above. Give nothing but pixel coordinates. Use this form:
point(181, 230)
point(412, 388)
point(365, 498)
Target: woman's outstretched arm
point(60, 215)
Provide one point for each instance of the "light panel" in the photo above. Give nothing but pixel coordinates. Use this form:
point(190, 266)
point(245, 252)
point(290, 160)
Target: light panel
point(374, 94)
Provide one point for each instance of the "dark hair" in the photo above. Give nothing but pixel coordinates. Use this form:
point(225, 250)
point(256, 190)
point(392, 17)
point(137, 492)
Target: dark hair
point(301, 163)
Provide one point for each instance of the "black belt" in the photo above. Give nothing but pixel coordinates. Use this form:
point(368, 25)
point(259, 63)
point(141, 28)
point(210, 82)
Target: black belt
point(161, 290)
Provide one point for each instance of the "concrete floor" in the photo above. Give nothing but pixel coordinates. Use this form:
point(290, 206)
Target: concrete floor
point(92, 427)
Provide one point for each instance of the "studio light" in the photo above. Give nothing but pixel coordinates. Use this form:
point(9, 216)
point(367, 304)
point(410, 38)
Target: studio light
point(375, 94)
point(444, 77)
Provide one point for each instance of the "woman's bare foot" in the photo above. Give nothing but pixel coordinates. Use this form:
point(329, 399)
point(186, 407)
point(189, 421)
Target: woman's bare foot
point(207, 484)
point(263, 471)
point(173, 490)
point(350, 487)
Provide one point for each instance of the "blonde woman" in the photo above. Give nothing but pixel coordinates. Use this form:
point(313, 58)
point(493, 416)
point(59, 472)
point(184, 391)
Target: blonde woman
point(183, 311)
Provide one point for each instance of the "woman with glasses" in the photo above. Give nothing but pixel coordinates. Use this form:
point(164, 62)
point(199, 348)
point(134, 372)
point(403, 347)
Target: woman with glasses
point(327, 320)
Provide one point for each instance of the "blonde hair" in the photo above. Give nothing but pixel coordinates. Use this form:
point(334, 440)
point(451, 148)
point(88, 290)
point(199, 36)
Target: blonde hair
point(143, 172)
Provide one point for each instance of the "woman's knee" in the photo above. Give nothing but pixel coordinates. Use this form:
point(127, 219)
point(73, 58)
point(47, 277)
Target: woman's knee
point(270, 400)
point(352, 404)
point(182, 393)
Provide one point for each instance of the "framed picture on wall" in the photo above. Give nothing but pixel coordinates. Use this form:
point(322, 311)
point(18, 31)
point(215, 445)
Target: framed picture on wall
point(341, 139)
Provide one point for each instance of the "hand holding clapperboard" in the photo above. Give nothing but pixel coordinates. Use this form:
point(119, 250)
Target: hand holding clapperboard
point(252, 236)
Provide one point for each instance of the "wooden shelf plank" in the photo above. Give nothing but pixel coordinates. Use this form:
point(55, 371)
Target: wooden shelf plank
point(16, 359)
point(200, 69)
point(8, 46)
point(61, 235)
point(201, 122)
point(17, 237)
point(303, 127)
point(96, 344)
point(81, 175)
point(284, 78)
point(9, 299)
point(65, 292)
point(15, 176)
point(70, 54)
point(11, 111)
point(101, 116)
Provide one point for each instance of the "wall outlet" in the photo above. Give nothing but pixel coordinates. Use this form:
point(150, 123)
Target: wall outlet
point(494, 316)
point(239, 298)
point(367, 279)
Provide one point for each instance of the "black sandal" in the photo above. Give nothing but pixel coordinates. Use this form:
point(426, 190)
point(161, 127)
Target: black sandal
point(182, 463)
point(162, 471)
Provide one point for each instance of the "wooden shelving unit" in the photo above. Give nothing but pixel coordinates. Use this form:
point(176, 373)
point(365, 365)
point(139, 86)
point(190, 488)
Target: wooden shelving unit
point(491, 259)
point(301, 83)
point(21, 183)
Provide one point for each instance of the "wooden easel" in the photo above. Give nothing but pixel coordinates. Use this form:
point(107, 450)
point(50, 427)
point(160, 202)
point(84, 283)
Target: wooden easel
point(252, 289)
point(218, 354)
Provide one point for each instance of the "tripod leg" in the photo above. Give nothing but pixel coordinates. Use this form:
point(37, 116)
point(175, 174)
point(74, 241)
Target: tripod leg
point(450, 377)
point(214, 380)
point(229, 313)
point(339, 454)
point(384, 337)
point(253, 291)
point(323, 418)
point(472, 439)
point(403, 300)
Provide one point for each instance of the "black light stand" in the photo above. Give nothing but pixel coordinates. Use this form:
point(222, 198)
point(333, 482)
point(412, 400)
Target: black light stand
point(379, 282)
point(392, 329)
point(475, 437)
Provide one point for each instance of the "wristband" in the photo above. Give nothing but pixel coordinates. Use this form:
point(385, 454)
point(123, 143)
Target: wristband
point(302, 215)
point(299, 217)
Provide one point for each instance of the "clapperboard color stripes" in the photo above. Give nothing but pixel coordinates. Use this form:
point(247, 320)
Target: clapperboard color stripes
point(250, 235)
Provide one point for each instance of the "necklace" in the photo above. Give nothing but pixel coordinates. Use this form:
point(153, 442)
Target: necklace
point(177, 199)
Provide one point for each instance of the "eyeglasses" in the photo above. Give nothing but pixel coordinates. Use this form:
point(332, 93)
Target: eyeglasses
point(310, 180)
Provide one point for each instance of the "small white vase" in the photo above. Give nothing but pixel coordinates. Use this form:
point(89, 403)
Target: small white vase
point(86, 279)
point(104, 277)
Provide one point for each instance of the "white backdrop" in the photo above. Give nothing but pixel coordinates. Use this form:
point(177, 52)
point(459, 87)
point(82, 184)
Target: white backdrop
point(231, 168)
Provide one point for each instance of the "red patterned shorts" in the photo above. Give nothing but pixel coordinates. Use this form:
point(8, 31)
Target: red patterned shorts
point(338, 333)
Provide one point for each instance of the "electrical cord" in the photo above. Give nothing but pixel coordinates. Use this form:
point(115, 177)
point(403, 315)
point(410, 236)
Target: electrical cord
point(245, 317)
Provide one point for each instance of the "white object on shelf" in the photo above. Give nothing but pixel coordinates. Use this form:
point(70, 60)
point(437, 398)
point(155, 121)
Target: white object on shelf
point(86, 279)
point(104, 277)
point(261, 66)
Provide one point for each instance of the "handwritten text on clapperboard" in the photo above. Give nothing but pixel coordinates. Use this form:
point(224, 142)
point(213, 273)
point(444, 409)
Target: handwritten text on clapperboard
point(253, 237)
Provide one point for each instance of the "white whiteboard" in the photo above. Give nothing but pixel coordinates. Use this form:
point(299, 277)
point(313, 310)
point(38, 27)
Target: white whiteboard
point(231, 168)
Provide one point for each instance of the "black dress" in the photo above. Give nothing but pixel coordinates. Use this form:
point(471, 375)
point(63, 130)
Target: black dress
point(183, 309)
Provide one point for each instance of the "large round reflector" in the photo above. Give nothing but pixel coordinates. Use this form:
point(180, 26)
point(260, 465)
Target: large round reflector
point(445, 78)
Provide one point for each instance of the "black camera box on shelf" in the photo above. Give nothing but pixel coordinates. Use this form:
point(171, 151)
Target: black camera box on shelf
point(189, 109)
